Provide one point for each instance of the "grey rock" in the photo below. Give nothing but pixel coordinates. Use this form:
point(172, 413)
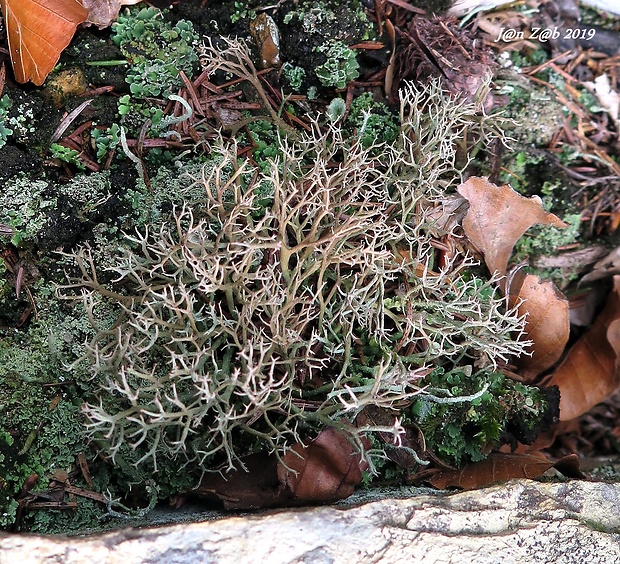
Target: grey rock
point(522, 521)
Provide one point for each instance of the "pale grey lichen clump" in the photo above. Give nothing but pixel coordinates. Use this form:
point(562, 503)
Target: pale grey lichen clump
point(246, 325)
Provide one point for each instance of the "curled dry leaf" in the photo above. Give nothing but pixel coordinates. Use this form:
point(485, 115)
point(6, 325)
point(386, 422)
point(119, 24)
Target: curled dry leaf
point(591, 372)
point(103, 12)
point(327, 469)
point(38, 31)
point(547, 323)
point(497, 217)
point(500, 467)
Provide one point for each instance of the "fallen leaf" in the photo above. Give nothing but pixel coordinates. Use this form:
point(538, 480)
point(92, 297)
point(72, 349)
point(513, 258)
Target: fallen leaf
point(103, 12)
point(501, 467)
point(547, 323)
point(327, 469)
point(38, 31)
point(497, 217)
point(256, 487)
point(604, 268)
point(585, 304)
point(590, 372)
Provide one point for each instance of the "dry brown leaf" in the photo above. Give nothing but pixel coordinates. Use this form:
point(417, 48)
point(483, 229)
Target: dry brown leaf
point(497, 217)
point(604, 268)
point(547, 323)
point(255, 487)
point(500, 467)
point(327, 469)
point(38, 31)
point(103, 12)
point(590, 371)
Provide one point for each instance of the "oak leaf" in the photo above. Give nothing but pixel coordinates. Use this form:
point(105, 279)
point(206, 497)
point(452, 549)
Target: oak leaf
point(103, 12)
point(322, 470)
point(38, 31)
point(547, 322)
point(255, 486)
point(591, 372)
point(501, 467)
point(328, 469)
point(497, 217)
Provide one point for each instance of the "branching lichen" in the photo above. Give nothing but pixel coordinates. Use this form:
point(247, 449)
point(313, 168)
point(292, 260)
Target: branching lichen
point(242, 323)
point(235, 60)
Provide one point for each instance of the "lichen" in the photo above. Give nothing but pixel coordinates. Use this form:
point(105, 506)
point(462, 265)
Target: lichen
point(340, 67)
point(308, 28)
point(234, 313)
point(24, 205)
point(294, 75)
point(157, 50)
point(326, 18)
point(5, 131)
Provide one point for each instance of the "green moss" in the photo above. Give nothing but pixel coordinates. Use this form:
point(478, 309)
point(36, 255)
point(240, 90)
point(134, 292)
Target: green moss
point(56, 339)
point(522, 166)
point(528, 57)
point(35, 437)
point(546, 239)
point(507, 411)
